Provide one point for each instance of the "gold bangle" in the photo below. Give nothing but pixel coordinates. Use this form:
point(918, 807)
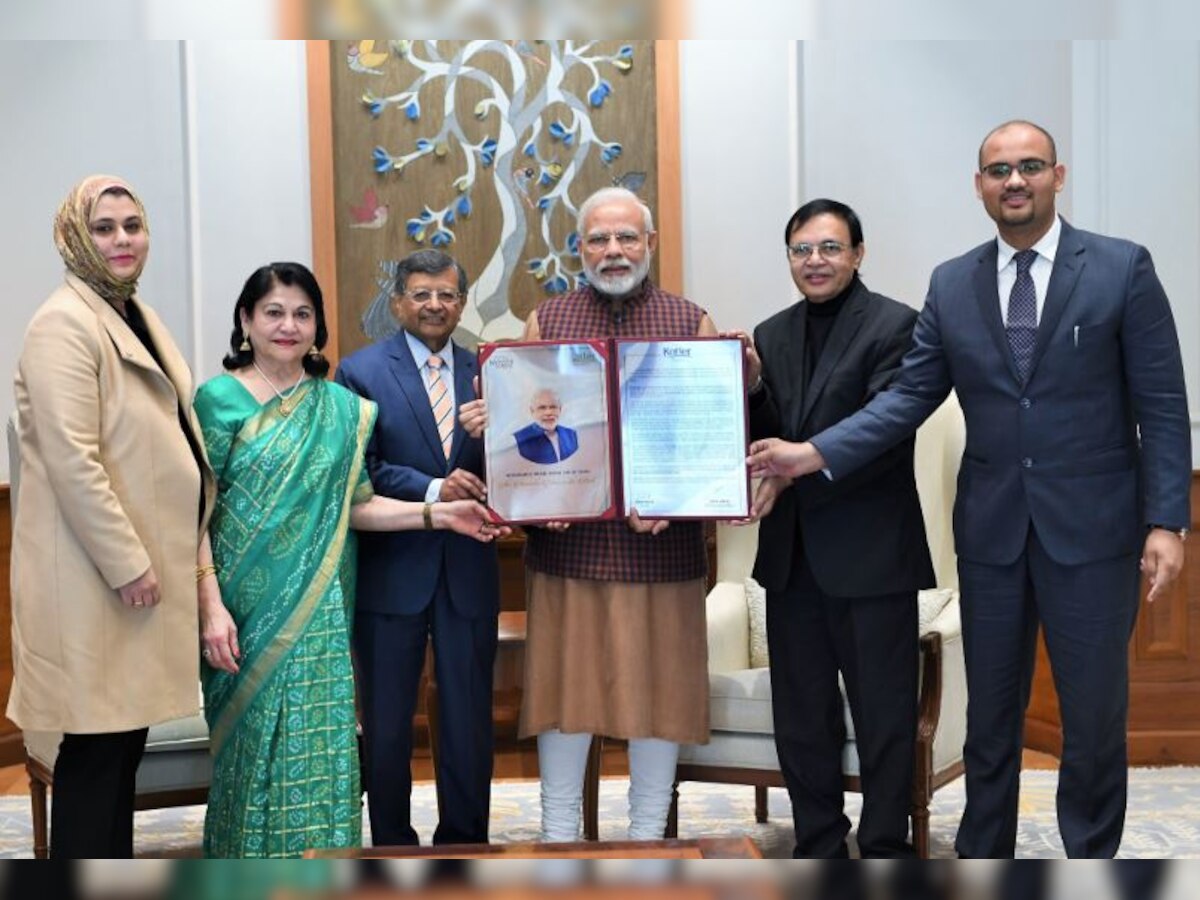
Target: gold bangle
point(203, 572)
point(427, 515)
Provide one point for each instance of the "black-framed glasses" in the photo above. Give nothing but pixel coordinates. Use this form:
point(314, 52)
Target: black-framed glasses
point(1027, 168)
point(826, 249)
point(627, 239)
point(424, 296)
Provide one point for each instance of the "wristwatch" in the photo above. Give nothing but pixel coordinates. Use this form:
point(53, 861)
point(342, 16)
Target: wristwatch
point(1180, 533)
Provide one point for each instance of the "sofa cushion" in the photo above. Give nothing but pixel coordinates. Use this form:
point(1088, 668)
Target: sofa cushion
point(930, 604)
point(756, 603)
point(741, 702)
point(184, 770)
point(728, 627)
point(736, 750)
point(731, 749)
point(178, 734)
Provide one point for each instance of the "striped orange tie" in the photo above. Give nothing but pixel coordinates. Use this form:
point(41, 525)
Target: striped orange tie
point(439, 400)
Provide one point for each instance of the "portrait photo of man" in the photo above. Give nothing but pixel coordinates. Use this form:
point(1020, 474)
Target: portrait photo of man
point(543, 440)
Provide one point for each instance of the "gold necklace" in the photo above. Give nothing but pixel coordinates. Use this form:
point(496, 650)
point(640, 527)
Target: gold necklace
point(284, 408)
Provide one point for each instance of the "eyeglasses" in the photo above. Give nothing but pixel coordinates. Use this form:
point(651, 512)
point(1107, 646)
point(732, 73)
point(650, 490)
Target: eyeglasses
point(1000, 171)
point(826, 249)
point(424, 296)
point(627, 239)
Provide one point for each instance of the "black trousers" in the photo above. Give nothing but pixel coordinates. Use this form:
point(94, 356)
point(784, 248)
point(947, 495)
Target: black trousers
point(1087, 613)
point(390, 653)
point(872, 642)
point(91, 813)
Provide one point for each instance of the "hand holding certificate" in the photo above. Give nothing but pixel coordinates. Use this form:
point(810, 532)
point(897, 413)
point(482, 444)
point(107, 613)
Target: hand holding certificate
point(586, 430)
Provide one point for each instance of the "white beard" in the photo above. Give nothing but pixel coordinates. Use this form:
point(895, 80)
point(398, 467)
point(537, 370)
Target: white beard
point(618, 285)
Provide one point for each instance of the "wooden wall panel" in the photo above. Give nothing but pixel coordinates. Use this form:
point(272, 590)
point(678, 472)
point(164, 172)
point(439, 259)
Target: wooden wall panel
point(489, 204)
point(1162, 634)
point(11, 748)
point(320, 168)
point(1164, 675)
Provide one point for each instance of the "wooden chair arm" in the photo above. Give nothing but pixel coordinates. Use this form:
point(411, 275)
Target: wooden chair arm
point(929, 703)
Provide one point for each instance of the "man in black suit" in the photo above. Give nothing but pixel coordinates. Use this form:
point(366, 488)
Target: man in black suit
point(841, 561)
point(1062, 349)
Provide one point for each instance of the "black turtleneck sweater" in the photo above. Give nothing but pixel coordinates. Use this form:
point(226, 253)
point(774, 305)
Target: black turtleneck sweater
point(821, 317)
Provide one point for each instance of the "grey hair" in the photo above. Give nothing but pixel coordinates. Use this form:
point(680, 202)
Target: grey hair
point(543, 391)
point(613, 195)
point(427, 262)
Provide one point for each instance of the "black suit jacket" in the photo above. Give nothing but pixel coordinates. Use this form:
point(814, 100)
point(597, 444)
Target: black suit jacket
point(863, 535)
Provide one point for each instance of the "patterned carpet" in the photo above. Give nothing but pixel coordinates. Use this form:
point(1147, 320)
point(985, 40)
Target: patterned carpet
point(1163, 819)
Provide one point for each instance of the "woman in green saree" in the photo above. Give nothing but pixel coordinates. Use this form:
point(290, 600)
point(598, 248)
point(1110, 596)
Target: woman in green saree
point(276, 598)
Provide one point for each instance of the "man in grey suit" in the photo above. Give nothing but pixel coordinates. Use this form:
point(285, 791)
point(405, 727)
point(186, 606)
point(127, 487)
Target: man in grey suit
point(1063, 351)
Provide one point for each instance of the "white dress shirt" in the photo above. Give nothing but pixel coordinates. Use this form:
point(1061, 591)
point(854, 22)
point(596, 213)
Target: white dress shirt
point(1006, 268)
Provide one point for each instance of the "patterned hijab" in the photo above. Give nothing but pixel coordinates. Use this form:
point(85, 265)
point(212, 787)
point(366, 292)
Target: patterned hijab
point(74, 240)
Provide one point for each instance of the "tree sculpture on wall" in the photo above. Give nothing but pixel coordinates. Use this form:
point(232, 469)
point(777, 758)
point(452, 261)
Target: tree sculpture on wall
point(528, 149)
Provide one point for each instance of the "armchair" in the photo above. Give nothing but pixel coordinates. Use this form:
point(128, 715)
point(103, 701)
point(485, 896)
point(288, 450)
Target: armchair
point(741, 748)
point(176, 768)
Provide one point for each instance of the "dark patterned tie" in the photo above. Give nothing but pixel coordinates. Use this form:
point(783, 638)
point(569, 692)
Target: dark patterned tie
point(1022, 314)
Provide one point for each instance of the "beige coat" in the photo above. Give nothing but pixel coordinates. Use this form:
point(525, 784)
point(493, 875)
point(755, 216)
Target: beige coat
point(108, 487)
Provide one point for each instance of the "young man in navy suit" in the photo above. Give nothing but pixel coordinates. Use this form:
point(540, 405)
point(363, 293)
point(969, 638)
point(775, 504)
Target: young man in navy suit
point(415, 587)
point(1076, 473)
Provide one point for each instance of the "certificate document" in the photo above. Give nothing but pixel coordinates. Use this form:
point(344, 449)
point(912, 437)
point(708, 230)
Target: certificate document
point(548, 445)
point(683, 428)
point(592, 430)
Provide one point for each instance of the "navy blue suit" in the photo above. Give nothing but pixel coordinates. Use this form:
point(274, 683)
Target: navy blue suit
point(1055, 495)
point(535, 446)
point(419, 585)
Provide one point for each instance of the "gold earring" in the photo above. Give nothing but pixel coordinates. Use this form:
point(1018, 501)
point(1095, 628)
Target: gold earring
point(314, 352)
point(245, 348)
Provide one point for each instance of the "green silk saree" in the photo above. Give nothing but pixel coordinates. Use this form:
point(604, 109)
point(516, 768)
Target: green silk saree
point(285, 755)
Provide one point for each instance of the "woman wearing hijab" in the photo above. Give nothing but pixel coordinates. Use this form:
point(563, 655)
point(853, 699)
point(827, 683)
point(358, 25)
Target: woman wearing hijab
point(114, 494)
point(288, 449)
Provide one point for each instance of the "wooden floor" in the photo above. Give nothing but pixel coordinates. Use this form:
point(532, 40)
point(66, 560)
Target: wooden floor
point(13, 780)
point(518, 762)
